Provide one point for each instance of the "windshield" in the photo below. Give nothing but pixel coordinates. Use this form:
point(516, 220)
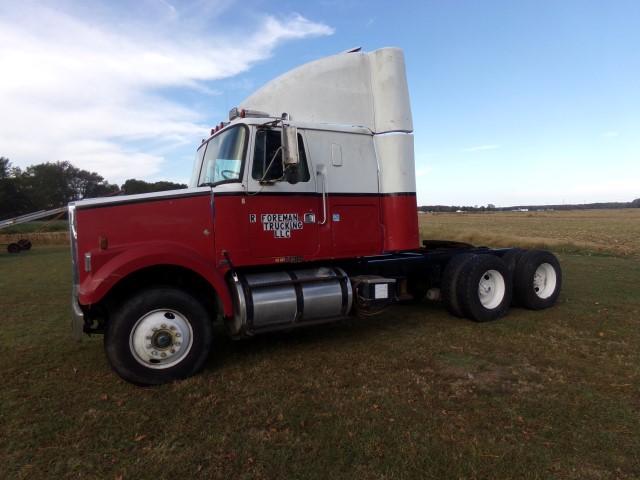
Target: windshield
point(193, 182)
point(223, 157)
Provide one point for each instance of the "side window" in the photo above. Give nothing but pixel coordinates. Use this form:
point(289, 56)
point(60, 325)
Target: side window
point(268, 155)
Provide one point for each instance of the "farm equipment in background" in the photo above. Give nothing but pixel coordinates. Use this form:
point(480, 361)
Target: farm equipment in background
point(25, 243)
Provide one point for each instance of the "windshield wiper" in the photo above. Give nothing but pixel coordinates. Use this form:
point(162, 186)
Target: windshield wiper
point(207, 184)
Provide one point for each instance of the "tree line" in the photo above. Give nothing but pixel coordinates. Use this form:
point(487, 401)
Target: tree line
point(54, 184)
point(491, 208)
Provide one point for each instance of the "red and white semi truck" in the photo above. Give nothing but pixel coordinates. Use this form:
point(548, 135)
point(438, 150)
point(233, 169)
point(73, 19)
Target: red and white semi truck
point(290, 219)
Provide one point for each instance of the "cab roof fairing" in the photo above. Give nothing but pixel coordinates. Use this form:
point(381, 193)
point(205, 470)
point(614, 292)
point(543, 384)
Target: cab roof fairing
point(353, 88)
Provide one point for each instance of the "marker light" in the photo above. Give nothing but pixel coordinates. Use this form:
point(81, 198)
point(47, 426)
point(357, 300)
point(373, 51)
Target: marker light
point(236, 112)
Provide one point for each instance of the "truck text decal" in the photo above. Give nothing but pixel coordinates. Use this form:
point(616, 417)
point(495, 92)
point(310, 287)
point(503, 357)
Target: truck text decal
point(281, 224)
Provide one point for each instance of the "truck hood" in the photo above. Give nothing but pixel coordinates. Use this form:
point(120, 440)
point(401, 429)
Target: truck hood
point(141, 197)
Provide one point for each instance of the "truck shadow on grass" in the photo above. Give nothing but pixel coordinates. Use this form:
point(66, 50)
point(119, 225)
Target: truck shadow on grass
point(418, 346)
point(392, 325)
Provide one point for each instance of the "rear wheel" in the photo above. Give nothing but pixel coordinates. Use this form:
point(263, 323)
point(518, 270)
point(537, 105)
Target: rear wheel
point(538, 279)
point(485, 288)
point(511, 261)
point(510, 258)
point(13, 248)
point(159, 335)
point(450, 281)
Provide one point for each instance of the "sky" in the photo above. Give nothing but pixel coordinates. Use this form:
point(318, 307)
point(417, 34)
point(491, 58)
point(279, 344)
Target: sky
point(525, 102)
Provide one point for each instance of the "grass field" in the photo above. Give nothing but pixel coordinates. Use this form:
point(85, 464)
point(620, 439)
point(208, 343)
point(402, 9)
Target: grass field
point(412, 393)
point(593, 231)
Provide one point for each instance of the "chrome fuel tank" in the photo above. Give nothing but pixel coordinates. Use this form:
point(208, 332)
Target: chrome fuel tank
point(289, 298)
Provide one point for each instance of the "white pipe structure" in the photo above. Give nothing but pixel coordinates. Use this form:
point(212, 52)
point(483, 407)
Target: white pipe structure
point(30, 217)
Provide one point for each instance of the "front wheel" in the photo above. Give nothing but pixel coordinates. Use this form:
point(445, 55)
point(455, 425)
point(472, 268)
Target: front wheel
point(159, 335)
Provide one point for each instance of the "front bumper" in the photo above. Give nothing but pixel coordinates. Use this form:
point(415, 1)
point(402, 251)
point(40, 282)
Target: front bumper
point(77, 317)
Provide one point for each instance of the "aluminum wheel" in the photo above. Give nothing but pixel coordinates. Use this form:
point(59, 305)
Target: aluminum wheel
point(161, 339)
point(491, 289)
point(544, 280)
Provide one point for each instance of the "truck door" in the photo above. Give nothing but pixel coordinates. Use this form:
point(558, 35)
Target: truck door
point(349, 168)
point(220, 166)
point(282, 204)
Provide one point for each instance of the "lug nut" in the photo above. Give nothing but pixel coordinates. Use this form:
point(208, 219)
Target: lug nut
point(173, 350)
point(172, 327)
point(178, 335)
point(164, 325)
point(163, 354)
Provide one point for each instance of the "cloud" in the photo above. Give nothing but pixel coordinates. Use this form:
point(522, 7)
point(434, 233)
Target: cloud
point(98, 88)
point(480, 148)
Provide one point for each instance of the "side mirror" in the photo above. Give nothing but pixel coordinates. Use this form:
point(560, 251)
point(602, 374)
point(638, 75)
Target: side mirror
point(290, 146)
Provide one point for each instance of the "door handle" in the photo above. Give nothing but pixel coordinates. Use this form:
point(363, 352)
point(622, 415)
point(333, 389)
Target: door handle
point(309, 217)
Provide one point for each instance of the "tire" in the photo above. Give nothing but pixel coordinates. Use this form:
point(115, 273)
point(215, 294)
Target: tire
point(537, 280)
point(157, 336)
point(24, 244)
point(485, 288)
point(510, 258)
point(13, 248)
point(450, 281)
point(511, 261)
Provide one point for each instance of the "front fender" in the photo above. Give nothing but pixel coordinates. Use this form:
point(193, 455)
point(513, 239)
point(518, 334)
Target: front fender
point(110, 266)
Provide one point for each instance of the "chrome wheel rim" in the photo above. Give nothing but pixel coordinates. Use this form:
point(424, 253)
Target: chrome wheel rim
point(161, 339)
point(491, 289)
point(545, 280)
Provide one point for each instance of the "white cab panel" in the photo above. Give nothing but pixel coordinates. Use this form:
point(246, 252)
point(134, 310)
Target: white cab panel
point(357, 171)
point(395, 156)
